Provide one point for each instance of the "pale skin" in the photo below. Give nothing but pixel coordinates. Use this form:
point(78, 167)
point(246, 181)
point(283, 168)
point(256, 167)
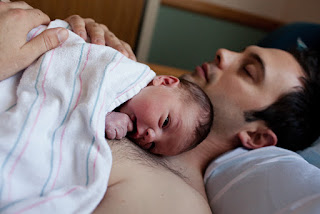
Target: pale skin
point(163, 123)
point(254, 73)
point(16, 20)
point(142, 183)
point(99, 34)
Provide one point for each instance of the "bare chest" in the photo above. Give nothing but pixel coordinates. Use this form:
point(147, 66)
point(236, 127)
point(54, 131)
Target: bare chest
point(142, 183)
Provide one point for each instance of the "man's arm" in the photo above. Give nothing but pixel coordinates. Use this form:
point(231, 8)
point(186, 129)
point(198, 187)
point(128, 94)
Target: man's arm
point(16, 20)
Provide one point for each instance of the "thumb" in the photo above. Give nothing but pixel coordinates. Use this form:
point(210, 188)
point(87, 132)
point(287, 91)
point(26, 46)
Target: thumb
point(130, 126)
point(45, 41)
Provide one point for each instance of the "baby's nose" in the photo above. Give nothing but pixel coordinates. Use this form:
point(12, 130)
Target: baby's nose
point(149, 135)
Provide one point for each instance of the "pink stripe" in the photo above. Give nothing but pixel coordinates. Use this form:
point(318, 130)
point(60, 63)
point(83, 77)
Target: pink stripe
point(31, 131)
point(104, 99)
point(35, 33)
point(81, 78)
point(99, 113)
point(96, 134)
point(133, 85)
point(46, 200)
point(64, 129)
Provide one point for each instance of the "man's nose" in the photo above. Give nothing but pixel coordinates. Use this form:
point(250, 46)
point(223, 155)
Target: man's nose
point(149, 135)
point(224, 58)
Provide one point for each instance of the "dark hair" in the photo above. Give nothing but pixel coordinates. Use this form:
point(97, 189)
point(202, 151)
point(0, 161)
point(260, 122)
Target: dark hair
point(196, 95)
point(295, 116)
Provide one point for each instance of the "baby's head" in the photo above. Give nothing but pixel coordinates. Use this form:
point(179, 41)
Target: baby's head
point(170, 116)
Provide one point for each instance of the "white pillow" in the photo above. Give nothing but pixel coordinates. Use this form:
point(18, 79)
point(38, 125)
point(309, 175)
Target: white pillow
point(264, 181)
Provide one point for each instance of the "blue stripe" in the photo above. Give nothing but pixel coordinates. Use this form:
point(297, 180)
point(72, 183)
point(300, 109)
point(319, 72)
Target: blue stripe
point(11, 204)
point(11, 107)
point(133, 81)
point(22, 129)
point(94, 109)
point(87, 161)
point(64, 119)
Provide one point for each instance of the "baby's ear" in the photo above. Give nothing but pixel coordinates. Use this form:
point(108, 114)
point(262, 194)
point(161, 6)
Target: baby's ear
point(165, 80)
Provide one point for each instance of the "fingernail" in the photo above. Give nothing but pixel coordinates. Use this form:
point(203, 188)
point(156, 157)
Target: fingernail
point(62, 35)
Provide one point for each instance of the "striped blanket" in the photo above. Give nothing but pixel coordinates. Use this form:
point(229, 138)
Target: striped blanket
point(53, 154)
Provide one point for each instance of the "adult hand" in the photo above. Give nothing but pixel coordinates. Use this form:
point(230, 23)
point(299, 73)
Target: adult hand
point(16, 20)
point(117, 125)
point(99, 34)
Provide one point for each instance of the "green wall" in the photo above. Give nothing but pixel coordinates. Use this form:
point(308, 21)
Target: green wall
point(184, 39)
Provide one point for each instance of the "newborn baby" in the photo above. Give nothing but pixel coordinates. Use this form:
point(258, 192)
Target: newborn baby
point(167, 117)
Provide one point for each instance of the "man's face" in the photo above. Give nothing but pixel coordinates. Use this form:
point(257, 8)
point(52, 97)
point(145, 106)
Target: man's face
point(250, 80)
point(162, 120)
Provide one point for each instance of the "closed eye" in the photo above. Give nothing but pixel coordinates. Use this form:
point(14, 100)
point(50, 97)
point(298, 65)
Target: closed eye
point(247, 72)
point(250, 71)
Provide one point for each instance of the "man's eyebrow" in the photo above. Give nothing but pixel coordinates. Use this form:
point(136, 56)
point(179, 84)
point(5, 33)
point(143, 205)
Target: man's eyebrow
point(260, 61)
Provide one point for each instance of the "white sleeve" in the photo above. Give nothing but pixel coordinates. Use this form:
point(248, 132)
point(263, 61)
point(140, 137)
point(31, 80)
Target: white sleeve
point(264, 181)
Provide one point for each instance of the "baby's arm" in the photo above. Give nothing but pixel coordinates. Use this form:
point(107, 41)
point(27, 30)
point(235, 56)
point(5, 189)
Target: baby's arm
point(117, 125)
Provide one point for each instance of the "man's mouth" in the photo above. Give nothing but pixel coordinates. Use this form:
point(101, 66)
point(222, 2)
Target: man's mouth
point(202, 71)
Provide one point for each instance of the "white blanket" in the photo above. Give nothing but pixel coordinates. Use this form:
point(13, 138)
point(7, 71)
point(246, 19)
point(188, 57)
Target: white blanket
point(53, 154)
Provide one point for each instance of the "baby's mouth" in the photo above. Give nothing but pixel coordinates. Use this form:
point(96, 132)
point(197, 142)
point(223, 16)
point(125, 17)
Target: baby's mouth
point(149, 146)
point(145, 146)
point(137, 139)
point(135, 136)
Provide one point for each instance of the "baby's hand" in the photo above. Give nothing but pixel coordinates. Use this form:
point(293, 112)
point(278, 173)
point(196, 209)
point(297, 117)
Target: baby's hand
point(117, 125)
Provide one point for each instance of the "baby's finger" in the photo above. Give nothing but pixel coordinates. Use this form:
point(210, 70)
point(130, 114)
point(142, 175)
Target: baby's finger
point(129, 126)
point(111, 134)
point(120, 133)
point(78, 25)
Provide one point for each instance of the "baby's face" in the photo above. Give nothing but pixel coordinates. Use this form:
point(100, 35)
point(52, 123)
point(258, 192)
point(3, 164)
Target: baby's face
point(163, 123)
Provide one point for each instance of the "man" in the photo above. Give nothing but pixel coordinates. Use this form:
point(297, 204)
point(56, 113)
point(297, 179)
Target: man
point(236, 82)
point(254, 73)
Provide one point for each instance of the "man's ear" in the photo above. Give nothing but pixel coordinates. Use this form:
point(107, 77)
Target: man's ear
point(165, 80)
point(257, 138)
